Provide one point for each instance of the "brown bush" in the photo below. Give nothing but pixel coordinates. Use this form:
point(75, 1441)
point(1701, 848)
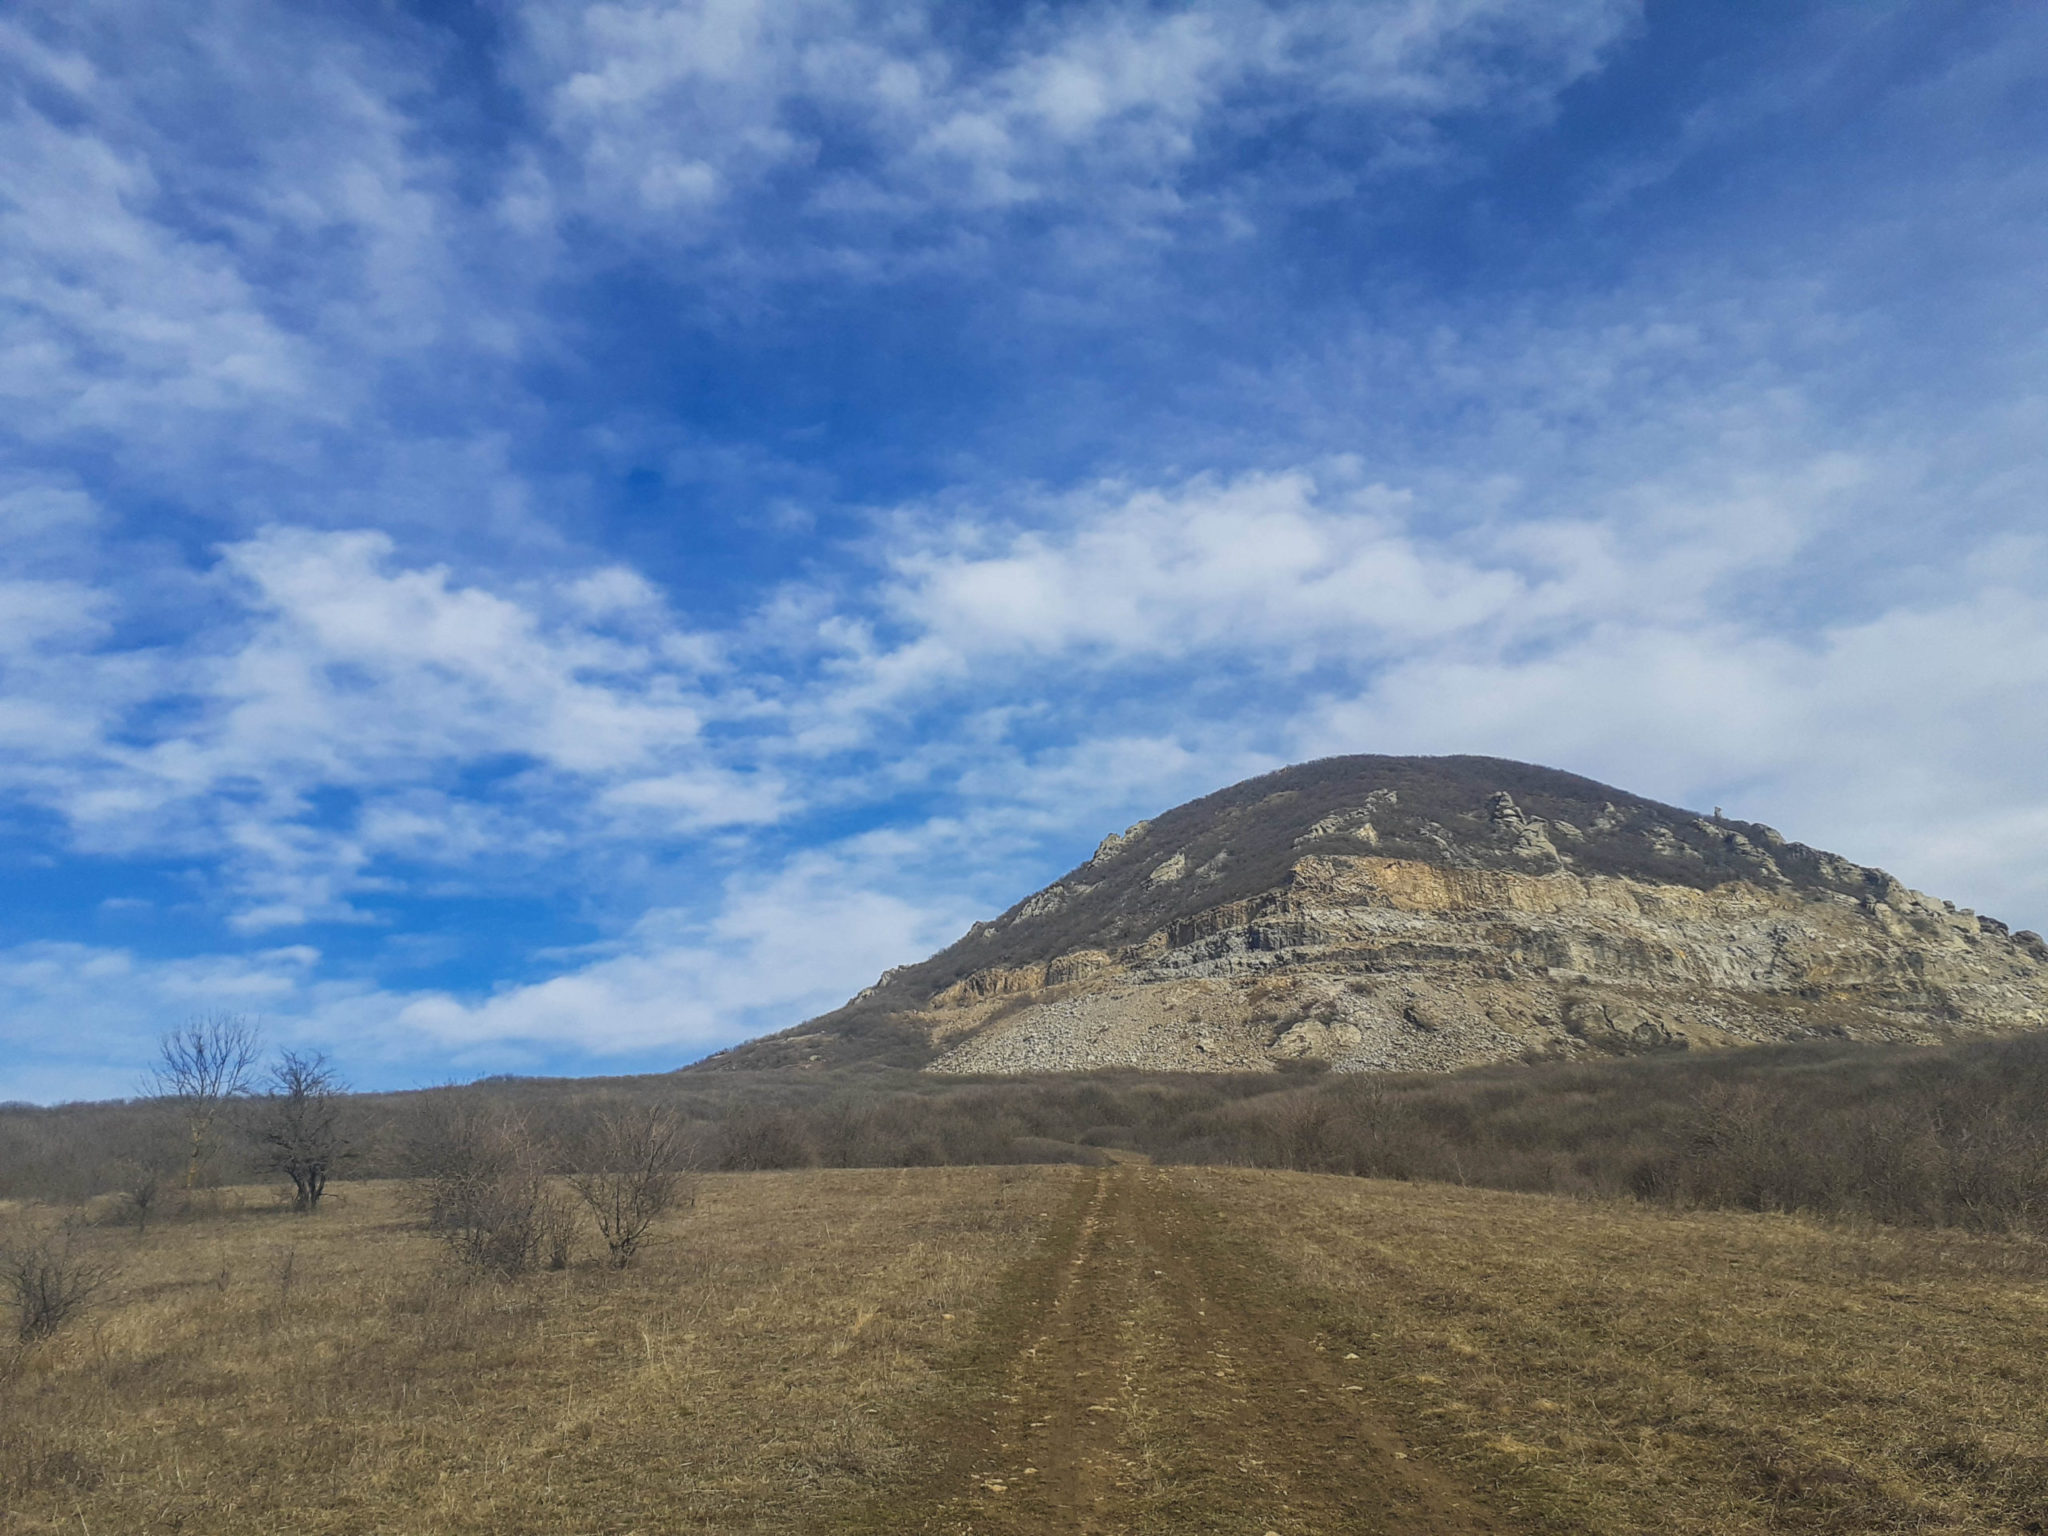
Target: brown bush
point(484, 1189)
point(51, 1277)
point(632, 1173)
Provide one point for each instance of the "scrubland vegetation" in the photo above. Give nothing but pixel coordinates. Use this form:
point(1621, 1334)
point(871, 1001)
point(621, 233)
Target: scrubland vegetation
point(1953, 1136)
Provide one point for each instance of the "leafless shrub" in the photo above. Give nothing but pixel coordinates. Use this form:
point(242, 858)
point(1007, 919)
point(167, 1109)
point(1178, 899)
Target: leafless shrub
point(632, 1173)
point(223, 1267)
point(1993, 1170)
point(758, 1139)
point(1312, 1135)
point(557, 1232)
point(299, 1125)
point(201, 1067)
point(284, 1271)
point(1737, 1151)
point(484, 1190)
point(142, 1181)
point(50, 1278)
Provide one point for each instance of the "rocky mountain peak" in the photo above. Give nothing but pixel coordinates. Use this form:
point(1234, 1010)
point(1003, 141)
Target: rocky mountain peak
point(1114, 845)
point(1388, 911)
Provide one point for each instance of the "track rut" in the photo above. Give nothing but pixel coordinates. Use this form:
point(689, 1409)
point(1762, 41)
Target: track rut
point(1146, 1374)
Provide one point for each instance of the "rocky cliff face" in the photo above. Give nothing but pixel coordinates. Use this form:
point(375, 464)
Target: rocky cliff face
point(1418, 913)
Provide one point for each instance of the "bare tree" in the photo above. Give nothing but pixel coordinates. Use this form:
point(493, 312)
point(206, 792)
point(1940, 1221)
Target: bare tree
point(49, 1278)
point(201, 1066)
point(634, 1171)
point(299, 1124)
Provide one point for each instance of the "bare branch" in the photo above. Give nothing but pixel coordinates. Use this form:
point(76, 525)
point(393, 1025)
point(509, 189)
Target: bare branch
point(50, 1278)
point(200, 1066)
point(483, 1188)
point(299, 1126)
point(634, 1171)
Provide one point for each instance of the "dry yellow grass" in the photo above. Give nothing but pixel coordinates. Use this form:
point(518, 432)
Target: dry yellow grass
point(256, 1372)
point(1608, 1368)
point(835, 1350)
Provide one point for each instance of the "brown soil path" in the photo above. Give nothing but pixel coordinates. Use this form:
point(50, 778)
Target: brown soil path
point(1144, 1374)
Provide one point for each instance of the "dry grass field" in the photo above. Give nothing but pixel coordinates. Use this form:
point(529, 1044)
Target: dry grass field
point(991, 1351)
point(260, 1372)
point(1608, 1367)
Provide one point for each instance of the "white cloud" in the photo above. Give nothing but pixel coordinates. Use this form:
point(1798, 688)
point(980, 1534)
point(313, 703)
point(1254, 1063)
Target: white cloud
point(777, 950)
point(220, 229)
point(226, 233)
point(685, 802)
point(1260, 561)
point(1307, 611)
point(1642, 638)
point(1289, 572)
point(356, 661)
point(777, 947)
point(670, 107)
point(1050, 676)
point(337, 668)
point(116, 317)
point(35, 615)
point(1904, 738)
point(84, 1019)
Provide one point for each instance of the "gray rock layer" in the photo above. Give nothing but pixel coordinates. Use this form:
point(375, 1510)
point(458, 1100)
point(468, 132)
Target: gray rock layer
point(1372, 963)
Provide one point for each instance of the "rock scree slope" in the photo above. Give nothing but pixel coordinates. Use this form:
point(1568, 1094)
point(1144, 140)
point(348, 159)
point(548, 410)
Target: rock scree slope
point(1429, 913)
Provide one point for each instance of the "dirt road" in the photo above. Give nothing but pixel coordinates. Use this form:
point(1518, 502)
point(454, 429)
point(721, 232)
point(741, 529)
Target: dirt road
point(1144, 1374)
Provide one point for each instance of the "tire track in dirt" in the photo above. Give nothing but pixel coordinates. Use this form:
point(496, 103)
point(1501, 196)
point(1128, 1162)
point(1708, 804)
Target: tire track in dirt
point(1147, 1374)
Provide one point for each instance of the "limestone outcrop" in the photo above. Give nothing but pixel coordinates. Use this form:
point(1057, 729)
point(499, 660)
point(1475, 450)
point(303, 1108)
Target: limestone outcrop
point(1418, 914)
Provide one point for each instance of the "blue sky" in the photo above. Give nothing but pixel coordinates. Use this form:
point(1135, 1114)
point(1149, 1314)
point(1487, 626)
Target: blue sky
point(550, 537)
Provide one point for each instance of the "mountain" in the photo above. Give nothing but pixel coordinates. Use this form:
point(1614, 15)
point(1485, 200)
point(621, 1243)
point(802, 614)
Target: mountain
point(1417, 913)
